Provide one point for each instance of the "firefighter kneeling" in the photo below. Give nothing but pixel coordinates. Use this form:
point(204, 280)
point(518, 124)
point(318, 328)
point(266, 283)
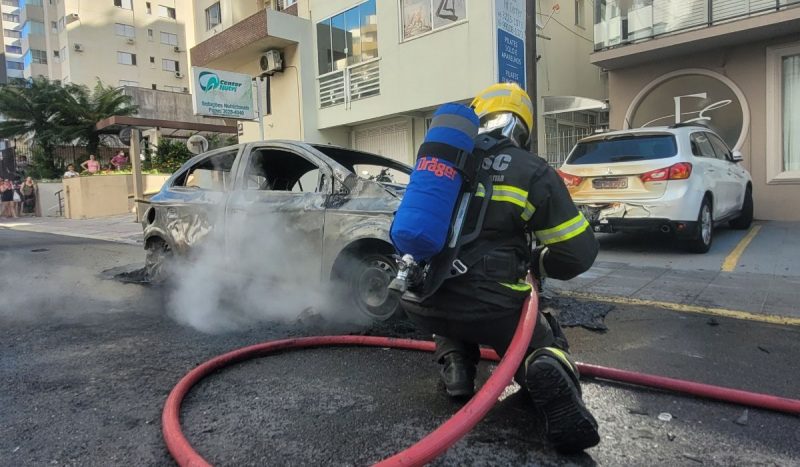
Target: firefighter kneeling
point(483, 305)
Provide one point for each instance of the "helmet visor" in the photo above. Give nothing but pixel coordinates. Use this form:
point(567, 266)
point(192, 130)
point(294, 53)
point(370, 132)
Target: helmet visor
point(495, 121)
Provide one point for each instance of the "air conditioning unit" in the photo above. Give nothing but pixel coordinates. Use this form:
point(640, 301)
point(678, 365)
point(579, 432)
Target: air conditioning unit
point(77, 47)
point(176, 49)
point(271, 62)
point(178, 74)
point(130, 40)
point(73, 17)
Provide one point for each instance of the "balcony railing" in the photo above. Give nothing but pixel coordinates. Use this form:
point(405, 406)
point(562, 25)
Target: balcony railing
point(353, 83)
point(619, 22)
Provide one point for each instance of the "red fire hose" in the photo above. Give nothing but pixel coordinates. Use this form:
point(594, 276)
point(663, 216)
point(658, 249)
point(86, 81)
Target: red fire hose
point(465, 419)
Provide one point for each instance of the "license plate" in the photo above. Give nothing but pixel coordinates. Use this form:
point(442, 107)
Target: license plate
point(610, 183)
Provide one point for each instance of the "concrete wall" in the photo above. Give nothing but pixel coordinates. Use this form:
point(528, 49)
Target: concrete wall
point(104, 195)
point(746, 66)
point(48, 201)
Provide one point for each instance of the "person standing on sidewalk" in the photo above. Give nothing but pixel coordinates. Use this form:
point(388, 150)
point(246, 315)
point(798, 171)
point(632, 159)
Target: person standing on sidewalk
point(28, 191)
point(7, 199)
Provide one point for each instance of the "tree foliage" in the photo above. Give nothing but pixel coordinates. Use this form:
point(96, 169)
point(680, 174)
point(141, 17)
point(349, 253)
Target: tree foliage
point(170, 155)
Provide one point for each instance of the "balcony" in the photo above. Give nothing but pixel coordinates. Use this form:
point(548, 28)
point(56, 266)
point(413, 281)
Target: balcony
point(350, 84)
point(633, 27)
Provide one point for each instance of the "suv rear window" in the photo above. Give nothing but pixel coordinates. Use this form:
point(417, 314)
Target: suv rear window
point(624, 149)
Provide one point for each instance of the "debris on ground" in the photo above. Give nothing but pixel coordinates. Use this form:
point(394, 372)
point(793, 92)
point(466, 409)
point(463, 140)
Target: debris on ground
point(671, 436)
point(665, 416)
point(692, 457)
point(763, 349)
point(635, 411)
point(130, 274)
point(571, 312)
point(712, 322)
point(742, 420)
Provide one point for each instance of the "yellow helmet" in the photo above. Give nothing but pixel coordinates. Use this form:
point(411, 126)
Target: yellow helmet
point(505, 97)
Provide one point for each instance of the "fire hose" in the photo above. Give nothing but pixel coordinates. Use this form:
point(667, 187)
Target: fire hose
point(469, 415)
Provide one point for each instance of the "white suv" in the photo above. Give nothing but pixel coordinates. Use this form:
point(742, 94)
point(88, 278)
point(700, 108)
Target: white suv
point(681, 180)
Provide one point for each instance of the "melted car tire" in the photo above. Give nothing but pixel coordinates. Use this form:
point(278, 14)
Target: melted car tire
point(367, 277)
point(745, 219)
point(698, 244)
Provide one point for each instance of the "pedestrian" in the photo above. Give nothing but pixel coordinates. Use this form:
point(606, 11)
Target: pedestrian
point(70, 173)
point(7, 199)
point(484, 305)
point(120, 160)
point(91, 165)
point(29, 192)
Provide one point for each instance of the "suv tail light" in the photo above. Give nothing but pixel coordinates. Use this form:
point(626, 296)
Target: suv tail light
point(679, 171)
point(570, 180)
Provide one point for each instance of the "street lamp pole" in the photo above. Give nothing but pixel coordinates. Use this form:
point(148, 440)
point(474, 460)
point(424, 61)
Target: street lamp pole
point(530, 71)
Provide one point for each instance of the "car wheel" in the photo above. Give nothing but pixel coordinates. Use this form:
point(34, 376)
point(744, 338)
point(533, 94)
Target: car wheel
point(704, 236)
point(746, 216)
point(368, 279)
point(159, 254)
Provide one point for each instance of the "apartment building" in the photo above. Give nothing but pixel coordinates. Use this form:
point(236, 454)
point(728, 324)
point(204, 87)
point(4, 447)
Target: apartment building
point(121, 42)
point(733, 65)
point(369, 74)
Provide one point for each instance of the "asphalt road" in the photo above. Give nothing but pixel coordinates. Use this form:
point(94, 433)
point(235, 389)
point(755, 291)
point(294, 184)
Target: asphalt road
point(86, 364)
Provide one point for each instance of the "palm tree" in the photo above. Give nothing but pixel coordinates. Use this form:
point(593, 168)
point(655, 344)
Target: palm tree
point(31, 110)
point(81, 109)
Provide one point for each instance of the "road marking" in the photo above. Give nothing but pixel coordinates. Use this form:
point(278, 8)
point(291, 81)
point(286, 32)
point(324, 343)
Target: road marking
point(729, 265)
point(724, 312)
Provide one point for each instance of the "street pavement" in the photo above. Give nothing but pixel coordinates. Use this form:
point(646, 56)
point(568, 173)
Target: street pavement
point(763, 283)
point(87, 363)
point(122, 228)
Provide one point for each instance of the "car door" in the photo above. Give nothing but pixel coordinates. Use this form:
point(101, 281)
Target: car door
point(710, 168)
point(276, 214)
point(194, 207)
point(735, 180)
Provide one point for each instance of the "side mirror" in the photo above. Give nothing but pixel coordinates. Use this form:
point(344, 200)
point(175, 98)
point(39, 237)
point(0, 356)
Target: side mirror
point(737, 156)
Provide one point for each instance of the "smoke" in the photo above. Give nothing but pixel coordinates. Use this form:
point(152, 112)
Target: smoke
point(257, 267)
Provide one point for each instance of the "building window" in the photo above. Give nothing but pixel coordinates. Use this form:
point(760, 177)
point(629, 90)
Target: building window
point(580, 9)
point(783, 114)
point(34, 56)
point(125, 82)
point(213, 16)
point(154, 86)
point(56, 56)
point(124, 30)
point(149, 8)
point(125, 58)
point(13, 49)
point(12, 33)
point(32, 28)
point(11, 18)
point(166, 12)
point(149, 34)
point(124, 4)
point(54, 27)
point(348, 38)
point(173, 88)
point(169, 39)
point(170, 65)
point(423, 16)
point(152, 60)
point(14, 3)
point(15, 65)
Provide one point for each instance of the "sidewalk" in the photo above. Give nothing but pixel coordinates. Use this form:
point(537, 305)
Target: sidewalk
point(764, 283)
point(122, 228)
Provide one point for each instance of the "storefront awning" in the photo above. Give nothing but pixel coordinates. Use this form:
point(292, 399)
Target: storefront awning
point(561, 104)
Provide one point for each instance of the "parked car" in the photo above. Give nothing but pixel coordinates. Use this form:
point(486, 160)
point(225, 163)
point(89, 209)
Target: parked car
point(339, 202)
point(682, 180)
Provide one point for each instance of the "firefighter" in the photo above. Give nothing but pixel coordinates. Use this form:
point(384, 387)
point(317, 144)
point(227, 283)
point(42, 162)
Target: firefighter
point(528, 201)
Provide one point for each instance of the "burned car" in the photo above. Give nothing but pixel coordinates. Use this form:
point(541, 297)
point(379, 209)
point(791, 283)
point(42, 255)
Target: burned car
point(337, 203)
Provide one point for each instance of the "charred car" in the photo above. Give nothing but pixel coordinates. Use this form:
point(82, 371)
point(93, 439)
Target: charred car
point(338, 204)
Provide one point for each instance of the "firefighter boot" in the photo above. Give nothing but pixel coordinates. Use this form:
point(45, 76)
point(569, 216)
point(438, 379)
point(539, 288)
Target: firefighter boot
point(552, 381)
point(458, 375)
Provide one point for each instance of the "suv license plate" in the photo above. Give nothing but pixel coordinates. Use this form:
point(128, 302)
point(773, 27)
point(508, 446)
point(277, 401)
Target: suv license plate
point(610, 183)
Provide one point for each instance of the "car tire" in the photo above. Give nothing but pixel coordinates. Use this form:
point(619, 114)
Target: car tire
point(745, 218)
point(367, 278)
point(157, 259)
point(704, 237)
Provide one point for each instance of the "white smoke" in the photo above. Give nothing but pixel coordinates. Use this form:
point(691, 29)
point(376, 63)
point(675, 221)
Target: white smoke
point(255, 269)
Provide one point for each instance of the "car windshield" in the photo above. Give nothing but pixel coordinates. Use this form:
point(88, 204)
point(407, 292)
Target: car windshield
point(626, 148)
point(368, 166)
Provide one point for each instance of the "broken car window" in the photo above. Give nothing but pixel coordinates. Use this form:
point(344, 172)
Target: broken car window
point(278, 170)
point(212, 173)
